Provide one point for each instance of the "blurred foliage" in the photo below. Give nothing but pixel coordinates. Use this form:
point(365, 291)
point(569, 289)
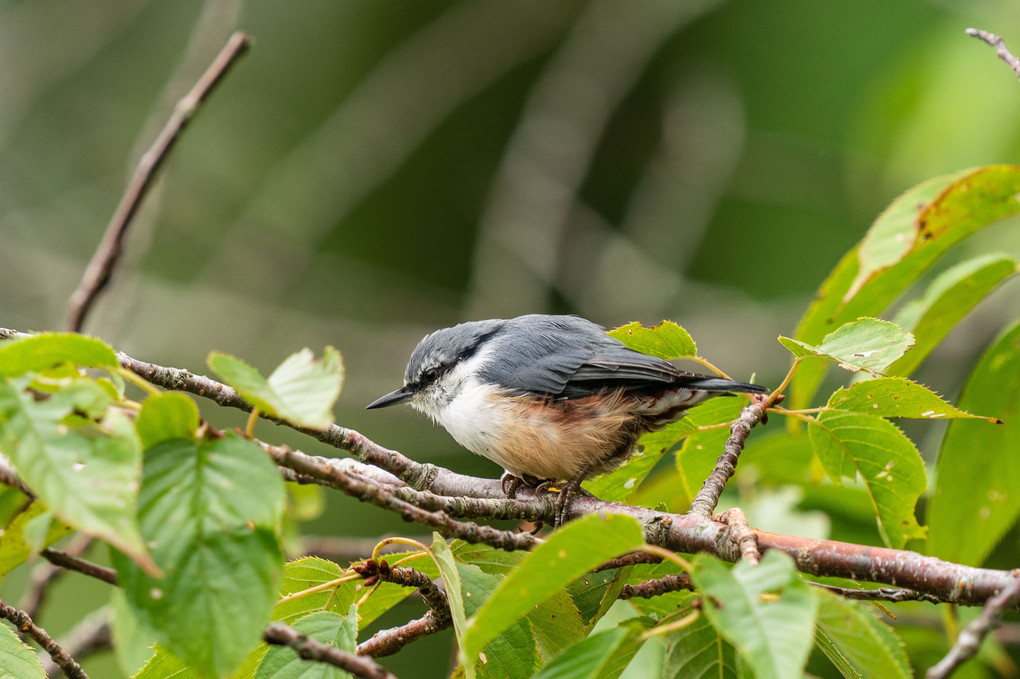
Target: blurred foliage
point(375, 169)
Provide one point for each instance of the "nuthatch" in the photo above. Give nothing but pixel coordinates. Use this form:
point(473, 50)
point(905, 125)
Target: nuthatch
point(548, 398)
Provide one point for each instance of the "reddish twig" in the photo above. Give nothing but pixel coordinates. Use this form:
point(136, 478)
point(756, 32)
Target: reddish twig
point(23, 621)
point(104, 260)
point(1000, 47)
point(279, 634)
point(969, 641)
point(389, 641)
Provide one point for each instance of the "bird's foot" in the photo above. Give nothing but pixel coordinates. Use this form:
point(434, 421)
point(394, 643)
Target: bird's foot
point(510, 483)
point(567, 491)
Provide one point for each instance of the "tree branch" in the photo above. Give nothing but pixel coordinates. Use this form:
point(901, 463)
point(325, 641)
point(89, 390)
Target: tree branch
point(389, 641)
point(104, 260)
point(705, 502)
point(25, 625)
point(1000, 47)
point(970, 638)
point(279, 634)
point(74, 563)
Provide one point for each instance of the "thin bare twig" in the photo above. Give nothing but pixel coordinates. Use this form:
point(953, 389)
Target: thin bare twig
point(705, 501)
point(1000, 47)
point(893, 594)
point(279, 634)
point(104, 260)
point(72, 562)
point(23, 621)
point(969, 641)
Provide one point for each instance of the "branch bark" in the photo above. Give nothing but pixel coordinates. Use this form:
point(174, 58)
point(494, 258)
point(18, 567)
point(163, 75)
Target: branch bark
point(279, 634)
point(24, 623)
point(1000, 47)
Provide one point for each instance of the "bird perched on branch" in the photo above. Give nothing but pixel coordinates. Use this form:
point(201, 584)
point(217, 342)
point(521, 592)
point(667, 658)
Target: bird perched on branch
point(548, 398)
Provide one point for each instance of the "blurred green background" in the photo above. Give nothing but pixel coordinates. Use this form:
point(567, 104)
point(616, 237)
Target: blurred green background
point(372, 170)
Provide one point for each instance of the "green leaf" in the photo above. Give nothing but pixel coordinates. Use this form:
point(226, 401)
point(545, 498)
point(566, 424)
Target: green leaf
point(17, 660)
point(667, 340)
point(887, 461)
point(447, 564)
point(595, 593)
point(208, 511)
point(766, 611)
point(165, 665)
point(857, 642)
point(895, 397)
point(601, 656)
point(283, 662)
point(301, 390)
point(948, 299)
point(867, 344)
point(171, 415)
point(698, 650)
point(930, 218)
point(87, 475)
point(15, 545)
point(44, 351)
point(133, 641)
point(570, 552)
point(303, 589)
point(513, 654)
point(976, 499)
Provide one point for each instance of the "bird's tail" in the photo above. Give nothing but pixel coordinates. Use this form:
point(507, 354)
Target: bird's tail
point(703, 383)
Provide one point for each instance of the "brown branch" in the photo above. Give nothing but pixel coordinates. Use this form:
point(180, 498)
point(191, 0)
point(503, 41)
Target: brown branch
point(382, 496)
point(100, 268)
point(389, 641)
point(25, 625)
point(893, 594)
point(742, 534)
point(969, 641)
point(704, 503)
point(74, 563)
point(657, 586)
point(1000, 47)
point(279, 634)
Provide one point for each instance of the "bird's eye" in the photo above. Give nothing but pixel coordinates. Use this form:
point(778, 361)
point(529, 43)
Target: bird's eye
point(430, 376)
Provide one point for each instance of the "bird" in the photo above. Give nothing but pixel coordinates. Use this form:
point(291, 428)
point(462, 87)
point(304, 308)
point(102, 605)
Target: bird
point(552, 399)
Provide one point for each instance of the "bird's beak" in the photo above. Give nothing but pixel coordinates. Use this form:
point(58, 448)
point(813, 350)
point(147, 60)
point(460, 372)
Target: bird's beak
point(391, 399)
